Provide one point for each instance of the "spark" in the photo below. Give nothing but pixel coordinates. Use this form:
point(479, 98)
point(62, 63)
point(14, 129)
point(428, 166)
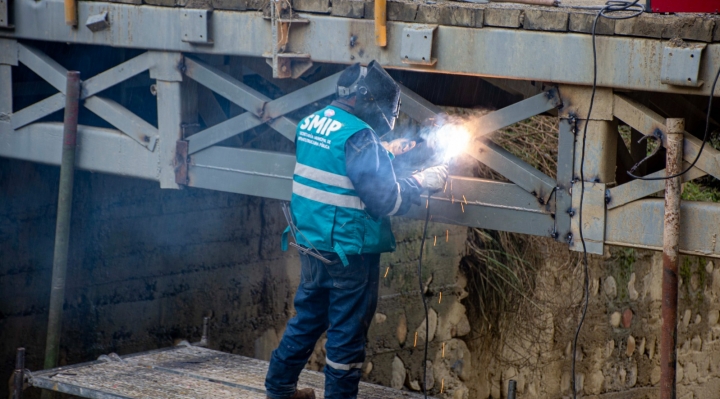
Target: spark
point(415, 344)
point(447, 235)
point(464, 199)
point(442, 385)
point(445, 189)
point(435, 242)
point(386, 271)
point(443, 350)
point(440, 299)
point(452, 197)
point(427, 203)
point(463, 207)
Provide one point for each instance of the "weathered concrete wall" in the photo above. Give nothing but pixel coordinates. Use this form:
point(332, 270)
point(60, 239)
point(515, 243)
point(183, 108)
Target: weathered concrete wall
point(145, 266)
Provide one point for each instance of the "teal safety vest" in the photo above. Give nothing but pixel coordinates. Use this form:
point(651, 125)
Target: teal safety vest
point(325, 207)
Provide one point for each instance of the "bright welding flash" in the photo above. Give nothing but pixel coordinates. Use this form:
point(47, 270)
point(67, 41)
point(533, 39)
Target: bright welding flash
point(453, 140)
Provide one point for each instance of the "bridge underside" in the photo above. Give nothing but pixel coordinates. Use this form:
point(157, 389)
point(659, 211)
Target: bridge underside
point(215, 115)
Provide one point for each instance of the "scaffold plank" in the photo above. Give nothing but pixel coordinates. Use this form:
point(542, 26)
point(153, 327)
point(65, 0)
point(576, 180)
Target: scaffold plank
point(182, 372)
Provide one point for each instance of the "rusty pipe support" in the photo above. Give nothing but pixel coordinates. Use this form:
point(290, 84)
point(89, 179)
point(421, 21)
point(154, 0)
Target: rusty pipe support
point(671, 233)
point(19, 376)
point(62, 226)
point(381, 23)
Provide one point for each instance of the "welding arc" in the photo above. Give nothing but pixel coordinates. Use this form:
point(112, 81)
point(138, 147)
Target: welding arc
point(422, 296)
point(610, 6)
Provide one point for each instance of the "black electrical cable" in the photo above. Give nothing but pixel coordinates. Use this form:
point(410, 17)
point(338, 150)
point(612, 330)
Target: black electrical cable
point(422, 295)
point(702, 146)
point(610, 6)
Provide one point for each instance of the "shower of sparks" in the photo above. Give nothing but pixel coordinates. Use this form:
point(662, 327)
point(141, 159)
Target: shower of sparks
point(386, 271)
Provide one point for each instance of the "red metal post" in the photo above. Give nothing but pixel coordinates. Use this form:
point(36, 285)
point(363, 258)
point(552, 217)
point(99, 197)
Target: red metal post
point(671, 234)
point(62, 227)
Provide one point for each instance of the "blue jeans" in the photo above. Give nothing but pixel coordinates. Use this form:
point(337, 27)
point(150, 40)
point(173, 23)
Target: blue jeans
point(339, 299)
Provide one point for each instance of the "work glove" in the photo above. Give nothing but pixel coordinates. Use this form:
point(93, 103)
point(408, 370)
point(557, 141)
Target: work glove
point(399, 146)
point(432, 179)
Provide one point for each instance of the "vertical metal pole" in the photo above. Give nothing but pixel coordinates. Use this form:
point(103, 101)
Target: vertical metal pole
point(62, 228)
point(671, 233)
point(512, 388)
point(19, 377)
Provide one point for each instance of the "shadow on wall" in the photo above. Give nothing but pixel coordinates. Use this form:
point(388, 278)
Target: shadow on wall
point(145, 266)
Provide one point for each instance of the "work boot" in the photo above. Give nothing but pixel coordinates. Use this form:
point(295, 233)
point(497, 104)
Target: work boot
point(305, 393)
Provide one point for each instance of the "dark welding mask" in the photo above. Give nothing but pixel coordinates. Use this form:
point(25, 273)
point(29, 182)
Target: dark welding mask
point(377, 97)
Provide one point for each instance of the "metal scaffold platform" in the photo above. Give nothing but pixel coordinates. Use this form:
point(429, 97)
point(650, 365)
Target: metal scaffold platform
point(180, 372)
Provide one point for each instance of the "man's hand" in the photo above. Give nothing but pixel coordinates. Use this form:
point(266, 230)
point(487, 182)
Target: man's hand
point(432, 179)
point(399, 146)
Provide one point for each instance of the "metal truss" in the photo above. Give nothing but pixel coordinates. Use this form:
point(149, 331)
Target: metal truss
point(531, 203)
point(269, 174)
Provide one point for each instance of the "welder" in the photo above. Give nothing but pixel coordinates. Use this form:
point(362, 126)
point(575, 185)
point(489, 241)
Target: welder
point(344, 190)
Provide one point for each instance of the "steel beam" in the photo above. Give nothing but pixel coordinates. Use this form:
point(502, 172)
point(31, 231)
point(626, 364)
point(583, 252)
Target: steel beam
point(638, 189)
point(470, 202)
point(270, 112)
point(624, 62)
point(593, 218)
point(647, 122)
point(513, 168)
point(563, 195)
point(117, 74)
point(43, 66)
point(487, 204)
point(251, 172)
point(170, 120)
point(226, 86)
point(127, 122)
point(417, 107)
point(38, 110)
point(600, 150)
point(103, 150)
point(6, 93)
point(222, 131)
point(302, 97)
point(699, 229)
point(517, 112)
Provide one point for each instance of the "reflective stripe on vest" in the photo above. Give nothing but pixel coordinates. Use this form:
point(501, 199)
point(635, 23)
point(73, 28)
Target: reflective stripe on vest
point(324, 197)
point(321, 176)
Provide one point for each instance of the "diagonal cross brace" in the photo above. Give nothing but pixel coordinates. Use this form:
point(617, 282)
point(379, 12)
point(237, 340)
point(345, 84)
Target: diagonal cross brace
point(647, 122)
point(261, 109)
point(43, 66)
point(502, 161)
point(124, 120)
point(90, 87)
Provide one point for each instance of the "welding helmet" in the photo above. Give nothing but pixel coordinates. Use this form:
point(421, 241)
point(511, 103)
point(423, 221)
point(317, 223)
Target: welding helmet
point(377, 95)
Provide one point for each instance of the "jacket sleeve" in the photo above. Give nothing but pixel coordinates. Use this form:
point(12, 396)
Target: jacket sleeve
point(370, 169)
